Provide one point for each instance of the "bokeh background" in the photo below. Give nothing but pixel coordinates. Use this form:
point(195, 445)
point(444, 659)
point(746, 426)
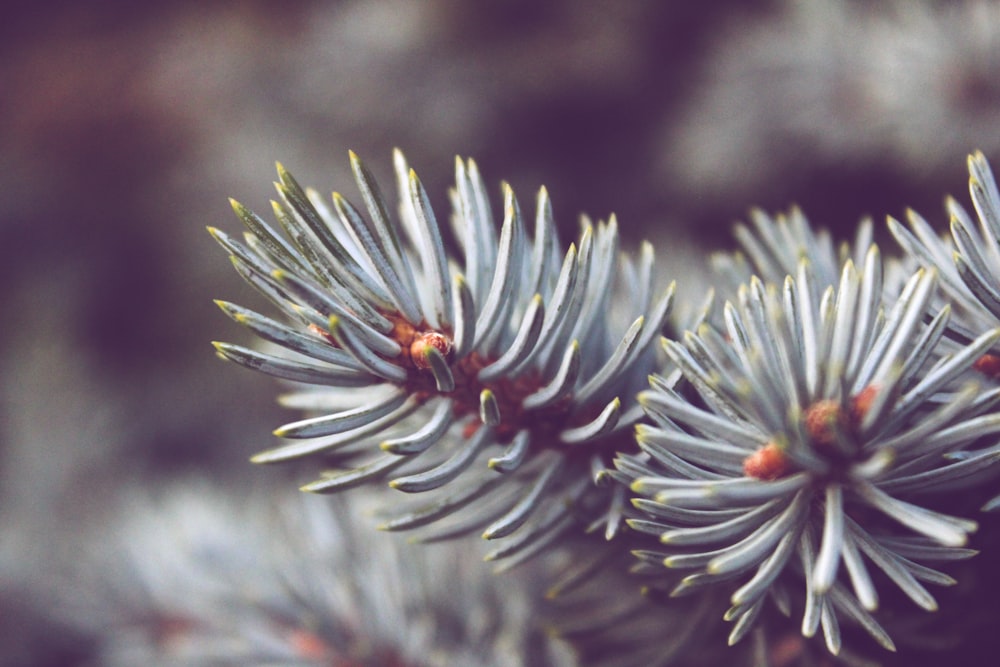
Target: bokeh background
point(125, 126)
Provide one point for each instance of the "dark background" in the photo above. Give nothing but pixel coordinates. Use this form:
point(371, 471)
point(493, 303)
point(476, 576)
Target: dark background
point(125, 126)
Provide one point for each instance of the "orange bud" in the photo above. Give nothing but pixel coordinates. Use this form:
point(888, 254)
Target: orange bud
point(767, 463)
point(423, 341)
point(823, 419)
point(988, 365)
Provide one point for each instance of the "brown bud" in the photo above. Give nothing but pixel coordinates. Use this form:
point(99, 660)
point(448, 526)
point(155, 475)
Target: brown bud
point(823, 420)
point(425, 340)
point(988, 365)
point(767, 463)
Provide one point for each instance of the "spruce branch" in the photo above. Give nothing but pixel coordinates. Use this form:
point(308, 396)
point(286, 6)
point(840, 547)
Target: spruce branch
point(820, 431)
point(492, 382)
point(822, 435)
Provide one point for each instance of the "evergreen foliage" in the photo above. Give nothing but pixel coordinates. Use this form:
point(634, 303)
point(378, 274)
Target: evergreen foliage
point(809, 456)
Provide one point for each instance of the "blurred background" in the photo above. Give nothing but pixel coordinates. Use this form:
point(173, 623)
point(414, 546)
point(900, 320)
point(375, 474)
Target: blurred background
point(125, 126)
